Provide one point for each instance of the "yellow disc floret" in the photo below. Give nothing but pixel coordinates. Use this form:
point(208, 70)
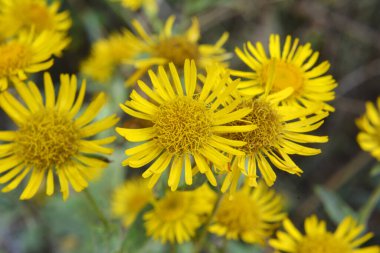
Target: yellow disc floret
point(268, 127)
point(177, 49)
point(183, 125)
point(287, 75)
point(323, 243)
point(14, 56)
point(47, 138)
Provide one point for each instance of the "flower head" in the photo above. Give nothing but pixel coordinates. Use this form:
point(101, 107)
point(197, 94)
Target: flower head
point(50, 139)
point(167, 47)
point(134, 5)
point(346, 238)
point(130, 198)
point(279, 132)
point(295, 69)
point(28, 53)
point(22, 15)
point(250, 215)
point(369, 124)
point(177, 216)
point(185, 126)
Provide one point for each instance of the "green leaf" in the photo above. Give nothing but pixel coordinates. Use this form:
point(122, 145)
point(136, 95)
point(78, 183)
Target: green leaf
point(334, 206)
point(375, 170)
point(236, 246)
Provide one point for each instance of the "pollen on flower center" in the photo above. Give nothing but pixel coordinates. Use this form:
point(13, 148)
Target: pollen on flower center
point(286, 75)
point(177, 49)
point(182, 125)
point(324, 243)
point(48, 138)
point(268, 127)
point(37, 14)
point(13, 56)
point(173, 206)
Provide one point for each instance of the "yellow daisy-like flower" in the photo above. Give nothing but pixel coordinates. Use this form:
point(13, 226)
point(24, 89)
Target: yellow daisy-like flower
point(346, 238)
point(369, 124)
point(185, 126)
point(50, 139)
point(295, 68)
point(166, 47)
point(107, 54)
point(177, 216)
point(279, 132)
point(28, 53)
point(130, 198)
point(19, 15)
point(250, 215)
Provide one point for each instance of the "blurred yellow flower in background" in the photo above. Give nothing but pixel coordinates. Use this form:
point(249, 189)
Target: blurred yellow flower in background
point(50, 139)
point(295, 69)
point(28, 53)
point(108, 54)
point(185, 126)
point(168, 47)
point(347, 238)
point(369, 125)
point(134, 5)
point(251, 215)
point(176, 216)
point(22, 15)
point(130, 198)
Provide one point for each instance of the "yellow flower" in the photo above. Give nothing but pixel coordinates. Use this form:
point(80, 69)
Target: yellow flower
point(177, 216)
point(135, 5)
point(185, 125)
point(346, 238)
point(369, 124)
point(50, 139)
point(295, 68)
point(130, 198)
point(166, 47)
point(107, 54)
point(28, 53)
point(22, 15)
point(250, 215)
point(279, 131)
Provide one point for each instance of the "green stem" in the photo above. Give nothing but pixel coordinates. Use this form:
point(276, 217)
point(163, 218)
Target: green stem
point(203, 234)
point(172, 248)
point(97, 210)
point(368, 207)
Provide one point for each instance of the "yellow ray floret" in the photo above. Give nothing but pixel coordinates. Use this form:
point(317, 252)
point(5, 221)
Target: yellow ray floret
point(186, 126)
point(168, 47)
point(347, 238)
point(369, 125)
point(51, 139)
point(176, 217)
point(295, 67)
point(28, 53)
point(22, 15)
point(250, 215)
point(130, 198)
point(281, 131)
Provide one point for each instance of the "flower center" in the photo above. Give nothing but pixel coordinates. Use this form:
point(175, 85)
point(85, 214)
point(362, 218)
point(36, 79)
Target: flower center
point(268, 127)
point(239, 213)
point(177, 49)
point(48, 138)
point(173, 206)
point(323, 243)
point(183, 125)
point(286, 75)
point(37, 14)
point(14, 56)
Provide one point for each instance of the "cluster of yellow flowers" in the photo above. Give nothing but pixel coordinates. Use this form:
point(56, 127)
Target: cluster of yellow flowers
point(201, 119)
